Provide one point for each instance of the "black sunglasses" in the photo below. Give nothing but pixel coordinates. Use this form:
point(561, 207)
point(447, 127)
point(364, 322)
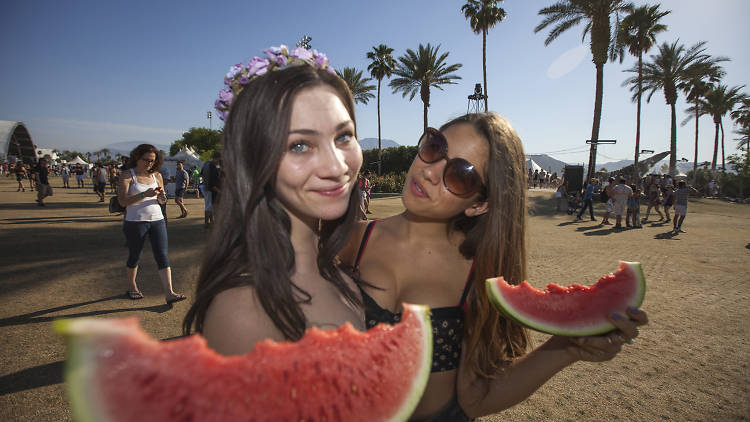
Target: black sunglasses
point(460, 177)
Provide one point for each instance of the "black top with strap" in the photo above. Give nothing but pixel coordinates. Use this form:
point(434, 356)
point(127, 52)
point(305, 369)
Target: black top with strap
point(447, 321)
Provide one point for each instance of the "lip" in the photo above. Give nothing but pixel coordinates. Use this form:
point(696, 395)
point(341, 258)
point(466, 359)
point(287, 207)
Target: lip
point(332, 192)
point(418, 189)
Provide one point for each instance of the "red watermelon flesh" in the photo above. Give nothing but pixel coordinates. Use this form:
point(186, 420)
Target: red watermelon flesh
point(116, 372)
point(575, 310)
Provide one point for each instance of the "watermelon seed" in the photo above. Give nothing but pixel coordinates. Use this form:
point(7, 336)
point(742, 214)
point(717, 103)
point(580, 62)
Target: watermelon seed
point(294, 393)
point(354, 388)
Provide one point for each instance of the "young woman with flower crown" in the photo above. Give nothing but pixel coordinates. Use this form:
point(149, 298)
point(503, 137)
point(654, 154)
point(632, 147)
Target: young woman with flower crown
point(290, 200)
point(465, 200)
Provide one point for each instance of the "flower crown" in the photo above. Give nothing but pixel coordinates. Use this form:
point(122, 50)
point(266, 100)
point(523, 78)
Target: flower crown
point(277, 58)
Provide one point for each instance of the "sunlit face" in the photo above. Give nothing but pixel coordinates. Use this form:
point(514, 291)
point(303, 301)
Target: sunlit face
point(321, 160)
point(424, 192)
point(146, 161)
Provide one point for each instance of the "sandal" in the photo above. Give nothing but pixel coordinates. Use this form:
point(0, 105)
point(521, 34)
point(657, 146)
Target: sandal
point(134, 294)
point(176, 298)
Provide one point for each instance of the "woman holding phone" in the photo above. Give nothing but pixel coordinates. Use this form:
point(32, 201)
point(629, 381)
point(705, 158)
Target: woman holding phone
point(141, 192)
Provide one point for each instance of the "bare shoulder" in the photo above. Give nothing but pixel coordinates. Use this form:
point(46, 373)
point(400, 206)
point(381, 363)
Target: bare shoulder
point(235, 321)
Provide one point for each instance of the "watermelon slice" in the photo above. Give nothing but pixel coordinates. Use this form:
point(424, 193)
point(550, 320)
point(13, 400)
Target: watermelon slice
point(116, 372)
point(575, 310)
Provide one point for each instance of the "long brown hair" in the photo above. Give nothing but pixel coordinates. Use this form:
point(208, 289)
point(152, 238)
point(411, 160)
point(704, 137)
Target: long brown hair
point(250, 242)
point(139, 152)
point(496, 242)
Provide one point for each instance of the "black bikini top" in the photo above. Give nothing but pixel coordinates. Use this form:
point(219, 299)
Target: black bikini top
point(447, 322)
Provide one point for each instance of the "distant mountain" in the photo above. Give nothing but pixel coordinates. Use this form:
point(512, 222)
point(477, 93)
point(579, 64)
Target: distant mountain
point(372, 143)
point(548, 163)
point(124, 148)
point(614, 165)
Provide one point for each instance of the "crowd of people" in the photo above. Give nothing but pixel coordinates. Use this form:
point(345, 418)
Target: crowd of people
point(623, 200)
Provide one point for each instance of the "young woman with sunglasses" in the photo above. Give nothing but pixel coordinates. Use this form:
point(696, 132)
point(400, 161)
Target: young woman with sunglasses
point(465, 200)
point(289, 203)
point(141, 191)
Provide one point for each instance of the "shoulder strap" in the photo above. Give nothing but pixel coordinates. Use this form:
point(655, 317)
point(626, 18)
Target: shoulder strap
point(365, 238)
point(467, 287)
point(132, 173)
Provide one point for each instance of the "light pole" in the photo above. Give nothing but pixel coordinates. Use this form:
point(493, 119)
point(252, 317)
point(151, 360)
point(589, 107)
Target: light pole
point(304, 42)
point(208, 116)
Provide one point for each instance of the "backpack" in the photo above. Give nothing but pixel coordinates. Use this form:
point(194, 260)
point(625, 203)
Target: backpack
point(603, 195)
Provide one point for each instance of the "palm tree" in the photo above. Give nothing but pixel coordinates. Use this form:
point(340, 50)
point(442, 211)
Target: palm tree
point(741, 117)
point(744, 139)
point(357, 85)
point(381, 66)
point(719, 101)
point(637, 32)
point(671, 70)
point(597, 15)
point(483, 15)
point(708, 73)
point(420, 70)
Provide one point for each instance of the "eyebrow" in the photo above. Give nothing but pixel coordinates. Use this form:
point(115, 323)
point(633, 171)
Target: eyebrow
point(315, 132)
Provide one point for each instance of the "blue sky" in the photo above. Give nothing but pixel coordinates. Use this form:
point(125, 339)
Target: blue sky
point(84, 74)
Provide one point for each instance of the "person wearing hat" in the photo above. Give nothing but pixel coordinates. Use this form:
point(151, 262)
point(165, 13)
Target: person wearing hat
point(668, 200)
point(588, 198)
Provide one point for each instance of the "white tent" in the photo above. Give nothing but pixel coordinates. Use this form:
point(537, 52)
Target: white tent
point(77, 160)
point(531, 164)
point(189, 160)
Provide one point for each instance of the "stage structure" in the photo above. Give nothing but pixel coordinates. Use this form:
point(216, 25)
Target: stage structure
point(16, 142)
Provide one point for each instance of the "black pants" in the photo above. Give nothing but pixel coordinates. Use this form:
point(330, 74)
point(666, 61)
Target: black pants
point(587, 203)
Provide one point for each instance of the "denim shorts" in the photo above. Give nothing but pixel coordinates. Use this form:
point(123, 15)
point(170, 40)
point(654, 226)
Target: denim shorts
point(135, 234)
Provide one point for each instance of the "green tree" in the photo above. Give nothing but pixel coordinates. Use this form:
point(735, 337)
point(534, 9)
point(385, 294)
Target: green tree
point(483, 15)
point(418, 71)
point(699, 84)
point(597, 18)
point(741, 117)
point(381, 66)
point(202, 140)
point(637, 33)
point(719, 101)
point(357, 84)
point(670, 71)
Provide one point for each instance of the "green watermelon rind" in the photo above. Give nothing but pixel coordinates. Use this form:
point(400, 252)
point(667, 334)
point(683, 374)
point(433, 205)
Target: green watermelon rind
point(494, 294)
point(420, 382)
point(83, 334)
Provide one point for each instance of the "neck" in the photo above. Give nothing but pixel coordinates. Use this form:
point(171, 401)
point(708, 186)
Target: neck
point(418, 229)
point(304, 238)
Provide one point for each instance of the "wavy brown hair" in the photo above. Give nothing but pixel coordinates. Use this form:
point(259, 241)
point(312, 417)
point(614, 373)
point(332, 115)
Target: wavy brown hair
point(139, 151)
point(249, 243)
point(496, 242)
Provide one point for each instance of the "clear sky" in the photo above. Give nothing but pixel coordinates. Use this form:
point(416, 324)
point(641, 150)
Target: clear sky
point(84, 74)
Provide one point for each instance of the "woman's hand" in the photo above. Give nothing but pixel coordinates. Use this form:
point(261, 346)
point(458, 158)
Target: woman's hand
point(150, 192)
point(605, 347)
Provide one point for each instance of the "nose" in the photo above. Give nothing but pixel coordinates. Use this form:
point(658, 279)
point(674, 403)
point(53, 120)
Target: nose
point(332, 163)
point(432, 172)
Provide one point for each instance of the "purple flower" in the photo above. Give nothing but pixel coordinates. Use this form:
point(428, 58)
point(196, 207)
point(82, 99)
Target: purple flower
point(330, 70)
point(226, 95)
point(235, 70)
point(321, 60)
point(243, 80)
point(281, 60)
point(272, 52)
point(302, 54)
point(257, 66)
point(218, 104)
point(222, 115)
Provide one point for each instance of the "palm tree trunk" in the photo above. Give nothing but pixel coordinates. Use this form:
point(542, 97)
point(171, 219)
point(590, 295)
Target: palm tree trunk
point(380, 151)
point(695, 160)
point(425, 117)
point(424, 92)
point(597, 119)
point(723, 163)
point(673, 141)
point(484, 66)
point(636, 173)
point(716, 147)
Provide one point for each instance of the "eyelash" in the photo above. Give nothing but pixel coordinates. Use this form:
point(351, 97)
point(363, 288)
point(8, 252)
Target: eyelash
point(294, 147)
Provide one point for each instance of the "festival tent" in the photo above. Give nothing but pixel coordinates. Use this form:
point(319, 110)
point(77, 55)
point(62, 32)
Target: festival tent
point(531, 164)
point(77, 160)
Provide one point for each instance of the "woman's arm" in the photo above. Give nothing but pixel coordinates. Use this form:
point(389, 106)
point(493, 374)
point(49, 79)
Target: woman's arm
point(522, 377)
point(235, 321)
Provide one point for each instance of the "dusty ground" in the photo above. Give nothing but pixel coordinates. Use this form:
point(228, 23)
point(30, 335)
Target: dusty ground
point(689, 364)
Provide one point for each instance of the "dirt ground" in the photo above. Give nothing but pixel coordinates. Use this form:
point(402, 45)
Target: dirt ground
point(689, 364)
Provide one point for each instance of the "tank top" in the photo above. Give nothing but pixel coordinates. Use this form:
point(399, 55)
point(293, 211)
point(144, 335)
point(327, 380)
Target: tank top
point(146, 209)
point(447, 321)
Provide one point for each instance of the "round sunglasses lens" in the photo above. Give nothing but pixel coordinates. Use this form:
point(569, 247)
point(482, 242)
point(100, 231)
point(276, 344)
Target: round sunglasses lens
point(461, 177)
point(431, 147)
